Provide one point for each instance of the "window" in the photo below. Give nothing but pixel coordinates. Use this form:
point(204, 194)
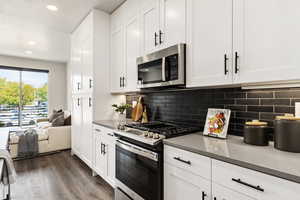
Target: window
point(23, 96)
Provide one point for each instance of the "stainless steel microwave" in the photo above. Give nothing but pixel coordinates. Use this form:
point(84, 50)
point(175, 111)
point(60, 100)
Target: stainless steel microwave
point(162, 68)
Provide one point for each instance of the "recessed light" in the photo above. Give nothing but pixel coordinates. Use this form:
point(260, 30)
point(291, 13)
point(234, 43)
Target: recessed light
point(28, 52)
point(52, 7)
point(31, 43)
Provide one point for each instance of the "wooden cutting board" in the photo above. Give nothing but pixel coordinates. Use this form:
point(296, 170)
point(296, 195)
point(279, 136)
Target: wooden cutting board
point(137, 111)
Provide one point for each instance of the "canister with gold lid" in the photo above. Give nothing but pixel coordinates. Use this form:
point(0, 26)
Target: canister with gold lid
point(287, 133)
point(257, 133)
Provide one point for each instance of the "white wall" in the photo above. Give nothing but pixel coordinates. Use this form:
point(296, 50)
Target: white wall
point(57, 89)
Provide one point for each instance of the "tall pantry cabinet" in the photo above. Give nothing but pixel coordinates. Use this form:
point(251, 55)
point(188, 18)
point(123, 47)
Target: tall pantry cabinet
point(89, 66)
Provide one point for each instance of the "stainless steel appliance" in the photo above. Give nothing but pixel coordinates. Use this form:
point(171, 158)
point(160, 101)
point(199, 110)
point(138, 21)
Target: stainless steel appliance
point(162, 68)
point(139, 159)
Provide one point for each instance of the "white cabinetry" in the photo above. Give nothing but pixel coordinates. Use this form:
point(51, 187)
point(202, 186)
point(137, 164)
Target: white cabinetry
point(259, 47)
point(209, 42)
point(180, 184)
point(104, 153)
point(267, 43)
point(163, 24)
point(191, 176)
point(89, 46)
point(222, 193)
point(125, 47)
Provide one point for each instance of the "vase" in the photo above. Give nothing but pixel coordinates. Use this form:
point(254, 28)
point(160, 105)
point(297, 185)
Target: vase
point(121, 121)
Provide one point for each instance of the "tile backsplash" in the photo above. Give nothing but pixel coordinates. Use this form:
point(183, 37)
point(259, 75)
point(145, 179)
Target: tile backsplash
point(190, 106)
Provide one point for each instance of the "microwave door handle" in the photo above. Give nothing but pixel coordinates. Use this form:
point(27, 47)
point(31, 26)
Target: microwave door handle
point(163, 69)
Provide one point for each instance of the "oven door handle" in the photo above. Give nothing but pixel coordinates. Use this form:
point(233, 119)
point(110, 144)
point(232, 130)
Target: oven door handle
point(137, 150)
point(163, 69)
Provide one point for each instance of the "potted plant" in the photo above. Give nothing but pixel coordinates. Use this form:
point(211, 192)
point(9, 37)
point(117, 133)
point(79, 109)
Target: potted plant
point(120, 109)
point(2, 124)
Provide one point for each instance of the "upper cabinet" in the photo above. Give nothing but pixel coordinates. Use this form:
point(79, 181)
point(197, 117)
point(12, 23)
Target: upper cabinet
point(266, 39)
point(238, 43)
point(209, 42)
point(140, 27)
point(163, 24)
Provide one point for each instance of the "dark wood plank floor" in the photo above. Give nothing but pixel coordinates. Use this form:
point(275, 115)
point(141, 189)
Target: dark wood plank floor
point(58, 177)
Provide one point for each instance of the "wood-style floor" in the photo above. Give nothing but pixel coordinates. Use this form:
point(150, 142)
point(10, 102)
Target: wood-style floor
point(58, 177)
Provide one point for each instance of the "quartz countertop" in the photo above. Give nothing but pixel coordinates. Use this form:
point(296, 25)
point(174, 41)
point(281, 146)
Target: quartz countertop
point(233, 150)
point(107, 123)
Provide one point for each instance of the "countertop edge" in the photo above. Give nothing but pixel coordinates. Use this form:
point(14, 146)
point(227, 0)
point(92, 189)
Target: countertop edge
point(103, 124)
point(264, 170)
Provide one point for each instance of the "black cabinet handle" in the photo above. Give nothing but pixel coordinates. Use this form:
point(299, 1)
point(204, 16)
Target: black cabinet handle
point(155, 39)
point(123, 81)
point(183, 161)
point(110, 134)
point(248, 185)
point(203, 195)
point(90, 83)
point(160, 38)
point(236, 57)
point(90, 102)
point(225, 64)
point(120, 82)
point(104, 146)
point(78, 102)
point(215, 198)
point(101, 148)
point(78, 86)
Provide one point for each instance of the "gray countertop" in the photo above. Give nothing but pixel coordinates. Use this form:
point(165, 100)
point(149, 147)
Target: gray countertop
point(107, 123)
point(267, 160)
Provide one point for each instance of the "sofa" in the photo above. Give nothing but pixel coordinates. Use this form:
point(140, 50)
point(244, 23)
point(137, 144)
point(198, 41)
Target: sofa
point(50, 138)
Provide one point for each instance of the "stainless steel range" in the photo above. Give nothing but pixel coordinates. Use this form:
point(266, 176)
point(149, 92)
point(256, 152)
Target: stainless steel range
point(139, 159)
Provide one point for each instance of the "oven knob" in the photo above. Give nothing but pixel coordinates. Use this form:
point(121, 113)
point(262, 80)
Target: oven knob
point(150, 135)
point(156, 136)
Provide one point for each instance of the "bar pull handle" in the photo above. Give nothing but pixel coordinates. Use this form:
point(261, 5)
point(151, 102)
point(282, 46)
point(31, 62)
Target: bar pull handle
point(203, 195)
point(90, 102)
point(225, 64)
point(248, 185)
point(78, 101)
point(155, 39)
point(236, 57)
point(183, 161)
point(78, 86)
point(120, 82)
point(90, 83)
point(160, 37)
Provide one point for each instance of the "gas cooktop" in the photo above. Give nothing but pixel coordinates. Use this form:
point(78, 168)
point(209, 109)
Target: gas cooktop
point(167, 129)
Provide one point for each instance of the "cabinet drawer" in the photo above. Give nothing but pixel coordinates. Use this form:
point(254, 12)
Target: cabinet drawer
point(103, 130)
point(252, 183)
point(191, 162)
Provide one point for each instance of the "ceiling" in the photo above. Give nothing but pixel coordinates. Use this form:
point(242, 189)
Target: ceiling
point(22, 21)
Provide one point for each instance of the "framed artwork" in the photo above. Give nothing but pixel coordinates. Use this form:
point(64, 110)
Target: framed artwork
point(217, 121)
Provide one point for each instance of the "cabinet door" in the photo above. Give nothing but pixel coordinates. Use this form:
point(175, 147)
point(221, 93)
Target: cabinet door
point(173, 22)
point(180, 184)
point(76, 125)
point(222, 193)
point(100, 159)
point(86, 133)
point(150, 26)
point(87, 65)
point(266, 39)
point(111, 159)
point(209, 40)
point(76, 63)
point(117, 60)
point(132, 39)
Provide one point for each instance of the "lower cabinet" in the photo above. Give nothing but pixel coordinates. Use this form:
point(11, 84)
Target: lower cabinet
point(180, 184)
point(223, 181)
point(222, 193)
point(104, 154)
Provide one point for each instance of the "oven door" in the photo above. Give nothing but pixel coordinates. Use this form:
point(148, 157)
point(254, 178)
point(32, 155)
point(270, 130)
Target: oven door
point(139, 169)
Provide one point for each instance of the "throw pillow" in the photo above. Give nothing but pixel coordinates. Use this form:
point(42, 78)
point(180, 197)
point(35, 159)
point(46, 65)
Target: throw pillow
point(68, 121)
point(54, 114)
point(59, 120)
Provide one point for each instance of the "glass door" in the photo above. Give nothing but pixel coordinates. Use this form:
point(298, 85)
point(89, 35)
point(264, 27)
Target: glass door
point(9, 98)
